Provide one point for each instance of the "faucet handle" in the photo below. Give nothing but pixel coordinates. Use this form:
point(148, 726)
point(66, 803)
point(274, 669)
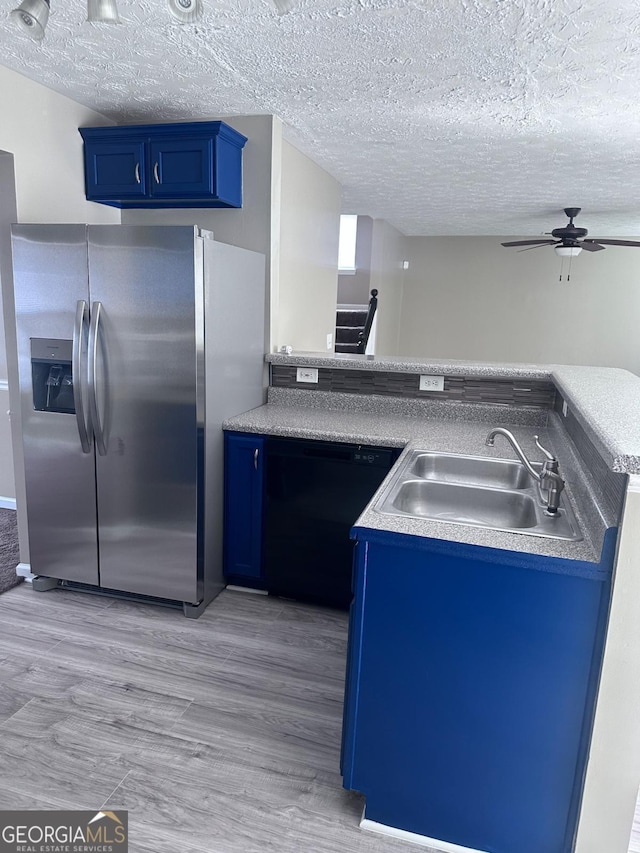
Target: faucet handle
point(550, 456)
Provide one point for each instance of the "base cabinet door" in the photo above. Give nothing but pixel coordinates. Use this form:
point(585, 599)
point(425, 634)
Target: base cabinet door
point(471, 681)
point(243, 475)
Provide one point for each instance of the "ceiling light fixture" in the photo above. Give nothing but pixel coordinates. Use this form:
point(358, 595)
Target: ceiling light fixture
point(567, 251)
point(32, 16)
point(185, 11)
point(102, 12)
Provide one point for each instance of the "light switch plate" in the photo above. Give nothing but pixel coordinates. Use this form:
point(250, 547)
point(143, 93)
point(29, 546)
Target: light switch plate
point(431, 383)
point(329, 341)
point(307, 374)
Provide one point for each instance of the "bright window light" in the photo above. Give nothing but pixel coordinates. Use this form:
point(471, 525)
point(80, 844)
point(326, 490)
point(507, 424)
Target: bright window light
point(347, 243)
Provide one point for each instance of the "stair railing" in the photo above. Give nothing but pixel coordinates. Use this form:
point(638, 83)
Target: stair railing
point(363, 337)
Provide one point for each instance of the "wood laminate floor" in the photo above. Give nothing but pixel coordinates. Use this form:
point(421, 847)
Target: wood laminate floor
point(220, 735)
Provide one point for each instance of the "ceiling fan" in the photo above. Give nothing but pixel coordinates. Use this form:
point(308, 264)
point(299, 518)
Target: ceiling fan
point(571, 240)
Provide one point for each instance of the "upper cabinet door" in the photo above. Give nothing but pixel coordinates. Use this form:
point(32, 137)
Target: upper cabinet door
point(181, 168)
point(115, 169)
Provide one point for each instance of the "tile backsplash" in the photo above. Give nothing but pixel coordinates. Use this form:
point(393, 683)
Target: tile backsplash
point(508, 392)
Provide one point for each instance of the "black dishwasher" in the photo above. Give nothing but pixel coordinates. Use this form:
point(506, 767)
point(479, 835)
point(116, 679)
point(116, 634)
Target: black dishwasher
point(315, 491)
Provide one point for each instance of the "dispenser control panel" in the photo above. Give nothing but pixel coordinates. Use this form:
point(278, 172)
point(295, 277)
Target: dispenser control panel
point(52, 375)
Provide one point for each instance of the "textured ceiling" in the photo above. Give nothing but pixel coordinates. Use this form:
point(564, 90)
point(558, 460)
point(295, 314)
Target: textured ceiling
point(457, 116)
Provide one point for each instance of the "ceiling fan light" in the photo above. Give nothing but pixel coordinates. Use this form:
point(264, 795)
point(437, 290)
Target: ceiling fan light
point(31, 16)
point(102, 12)
point(567, 251)
point(185, 11)
point(284, 6)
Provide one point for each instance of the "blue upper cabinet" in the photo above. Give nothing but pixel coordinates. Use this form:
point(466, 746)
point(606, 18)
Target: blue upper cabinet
point(195, 164)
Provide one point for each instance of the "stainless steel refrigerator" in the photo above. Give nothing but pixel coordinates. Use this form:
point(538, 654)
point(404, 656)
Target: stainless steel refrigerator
point(134, 344)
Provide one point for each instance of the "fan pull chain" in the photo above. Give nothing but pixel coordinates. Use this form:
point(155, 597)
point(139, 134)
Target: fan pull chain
point(561, 268)
point(569, 274)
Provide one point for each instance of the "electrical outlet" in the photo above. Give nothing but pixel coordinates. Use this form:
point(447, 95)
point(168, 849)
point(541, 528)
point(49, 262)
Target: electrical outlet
point(431, 383)
point(307, 374)
point(565, 409)
point(330, 341)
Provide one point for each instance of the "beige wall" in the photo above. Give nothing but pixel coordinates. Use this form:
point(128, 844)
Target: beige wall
point(250, 227)
point(470, 298)
point(387, 276)
point(309, 227)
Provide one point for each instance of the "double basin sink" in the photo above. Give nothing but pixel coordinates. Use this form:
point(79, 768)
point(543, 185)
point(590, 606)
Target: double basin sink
point(474, 490)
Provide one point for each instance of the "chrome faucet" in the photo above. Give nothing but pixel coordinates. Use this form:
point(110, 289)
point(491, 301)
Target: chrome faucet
point(548, 478)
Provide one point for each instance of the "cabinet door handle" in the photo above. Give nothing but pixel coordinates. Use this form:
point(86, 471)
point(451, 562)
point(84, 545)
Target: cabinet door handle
point(155, 172)
point(256, 453)
point(137, 173)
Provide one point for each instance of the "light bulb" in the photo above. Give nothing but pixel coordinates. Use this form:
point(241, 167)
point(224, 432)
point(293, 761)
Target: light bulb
point(185, 11)
point(102, 12)
point(567, 251)
point(32, 16)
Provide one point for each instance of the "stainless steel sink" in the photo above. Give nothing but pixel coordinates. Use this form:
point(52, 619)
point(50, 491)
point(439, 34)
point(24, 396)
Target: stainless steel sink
point(476, 491)
point(465, 504)
point(472, 470)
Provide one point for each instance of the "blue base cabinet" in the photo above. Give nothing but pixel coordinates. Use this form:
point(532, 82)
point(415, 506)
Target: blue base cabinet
point(243, 509)
point(192, 164)
point(471, 682)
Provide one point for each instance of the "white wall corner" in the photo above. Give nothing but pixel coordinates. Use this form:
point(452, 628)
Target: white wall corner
point(612, 775)
point(273, 296)
point(23, 570)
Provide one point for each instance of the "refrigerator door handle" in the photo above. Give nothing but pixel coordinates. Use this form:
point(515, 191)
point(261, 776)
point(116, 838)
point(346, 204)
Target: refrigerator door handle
point(79, 328)
point(92, 372)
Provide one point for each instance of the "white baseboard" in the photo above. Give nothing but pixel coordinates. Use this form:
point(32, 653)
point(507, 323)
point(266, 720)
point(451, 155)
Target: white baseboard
point(414, 838)
point(7, 503)
point(250, 589)
point(23, 570)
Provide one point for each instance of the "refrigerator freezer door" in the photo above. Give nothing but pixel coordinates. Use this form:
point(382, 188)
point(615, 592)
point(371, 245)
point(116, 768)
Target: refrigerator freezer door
point(50, 278)
point(146, 388)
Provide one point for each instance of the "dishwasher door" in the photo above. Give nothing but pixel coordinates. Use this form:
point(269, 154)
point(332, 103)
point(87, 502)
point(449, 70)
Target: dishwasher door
point(314, 493)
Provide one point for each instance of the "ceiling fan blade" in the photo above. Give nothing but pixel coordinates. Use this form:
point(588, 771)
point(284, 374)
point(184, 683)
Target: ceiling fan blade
point(591, 246)
point(606, 242)
point(539, 246)
point(530, 243)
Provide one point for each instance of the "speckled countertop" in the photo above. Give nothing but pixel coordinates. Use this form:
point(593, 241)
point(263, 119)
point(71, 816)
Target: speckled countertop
point(395, 364)
point(605, 400)
point(437, 432)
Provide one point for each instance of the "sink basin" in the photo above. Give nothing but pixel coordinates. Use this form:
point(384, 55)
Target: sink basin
point(473, 470)
point(475, 491)
point(465, 504)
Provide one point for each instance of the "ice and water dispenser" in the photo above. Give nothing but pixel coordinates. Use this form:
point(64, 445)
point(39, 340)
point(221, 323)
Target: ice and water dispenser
point(52, 375)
